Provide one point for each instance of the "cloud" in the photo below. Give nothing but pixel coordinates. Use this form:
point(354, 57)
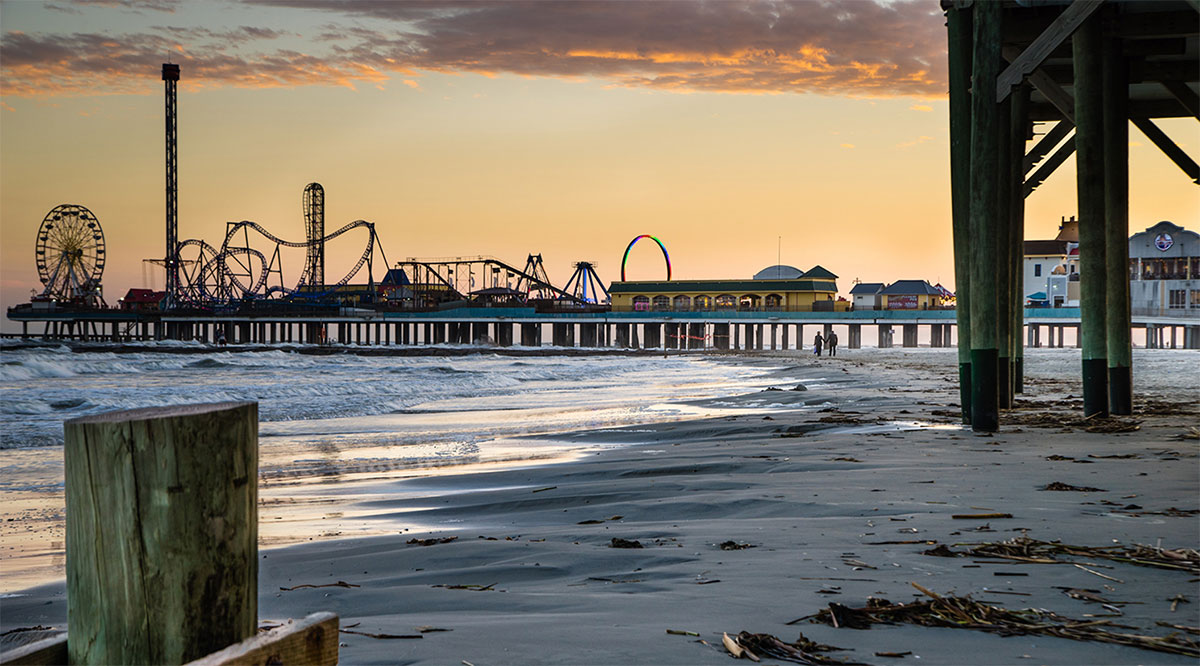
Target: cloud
point(91, 64)
point(921, 107)
point(915, 142)
point(859, 48)
point(846, 145)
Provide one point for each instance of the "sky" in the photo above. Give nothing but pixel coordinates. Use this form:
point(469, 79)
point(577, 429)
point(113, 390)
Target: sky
point(738, 133)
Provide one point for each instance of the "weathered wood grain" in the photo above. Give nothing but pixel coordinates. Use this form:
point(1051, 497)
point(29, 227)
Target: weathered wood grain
point(162, 530)
point(312, 641)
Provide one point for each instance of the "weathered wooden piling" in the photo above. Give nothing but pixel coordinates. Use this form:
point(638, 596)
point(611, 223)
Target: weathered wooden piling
point(1087, 44)
point(1119, 338)
point(162, 533)
point(985, 149)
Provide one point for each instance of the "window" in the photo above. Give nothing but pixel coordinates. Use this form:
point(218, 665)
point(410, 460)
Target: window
point(1037, 270)
point(1175, 299)
point(773, 301)
point(661, 303)
point(1194, 299)
point(641, 303)
point(726, 302)
point(683, 302)
point(748, 302)
point(702, 303)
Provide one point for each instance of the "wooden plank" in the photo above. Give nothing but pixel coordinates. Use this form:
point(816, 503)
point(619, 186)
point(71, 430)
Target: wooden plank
point(162, 553)
point(312, 641)
point(1048, 167)
point(1051, 139)
point(46, 652)
point(1045, 84)
point(1165, 144)
point(1186, 96)
point(1033, 55)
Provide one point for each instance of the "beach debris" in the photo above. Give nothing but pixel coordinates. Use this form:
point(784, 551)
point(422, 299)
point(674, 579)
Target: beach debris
point(708, 582)
point(1180, 627)
point(894, 655)
point(618, 542)
point(542, 490)
point(340, 583)
point(736, 650)
point(1178, 599)
point(472, 587)
point(614, 580)
point(679, 632)
point(1190, 433)
point(1026, 549)
point(430, 542)
point(426, 629)
point(598, 522)
point(381, 636)
point(845, 459)
point(1097, 573)
point(733, 545)
point(803, 651)
point(980, 516)
point(1066, 487)
point(966, 613)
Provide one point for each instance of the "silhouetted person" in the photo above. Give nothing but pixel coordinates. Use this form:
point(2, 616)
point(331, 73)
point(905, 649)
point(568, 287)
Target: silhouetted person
point(817, 342)
point(831, 343)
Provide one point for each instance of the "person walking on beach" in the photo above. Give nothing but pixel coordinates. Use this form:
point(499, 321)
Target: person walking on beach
point(817, 341)
point(831, 343)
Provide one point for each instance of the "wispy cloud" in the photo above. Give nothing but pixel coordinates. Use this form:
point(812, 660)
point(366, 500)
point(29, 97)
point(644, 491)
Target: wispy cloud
point(921, 107)
point(859, 48)
point(915, 142)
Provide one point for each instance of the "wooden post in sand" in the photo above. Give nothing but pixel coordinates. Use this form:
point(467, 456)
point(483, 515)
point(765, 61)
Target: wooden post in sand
point(162, 533)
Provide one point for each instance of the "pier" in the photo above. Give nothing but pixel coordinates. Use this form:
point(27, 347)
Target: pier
point(525, 326)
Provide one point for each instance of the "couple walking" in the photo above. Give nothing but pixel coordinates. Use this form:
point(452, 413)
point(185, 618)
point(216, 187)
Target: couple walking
point(829, 342)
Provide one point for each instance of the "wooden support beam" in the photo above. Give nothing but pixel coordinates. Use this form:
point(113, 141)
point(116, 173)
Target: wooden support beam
point(1088, 46)
point(1165, 144)
point(1185, 95)
point(1049, 166)
point(1115, 95)
point(1048, 141)
point(1056, 33)
point(985, 160)
point(1051, 90)
point(958, 30)
point(1019, 120)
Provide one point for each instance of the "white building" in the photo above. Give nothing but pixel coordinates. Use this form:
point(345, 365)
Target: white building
point(1164, 271)
point(1050, 275)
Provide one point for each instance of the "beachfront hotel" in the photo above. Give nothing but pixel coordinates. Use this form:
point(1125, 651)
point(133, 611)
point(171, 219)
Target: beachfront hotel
point(778, 288)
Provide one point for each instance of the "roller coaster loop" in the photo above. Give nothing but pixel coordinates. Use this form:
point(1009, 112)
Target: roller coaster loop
point(660, 246)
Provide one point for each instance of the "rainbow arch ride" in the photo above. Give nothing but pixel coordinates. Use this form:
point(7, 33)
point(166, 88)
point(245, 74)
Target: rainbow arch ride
point(666, 258)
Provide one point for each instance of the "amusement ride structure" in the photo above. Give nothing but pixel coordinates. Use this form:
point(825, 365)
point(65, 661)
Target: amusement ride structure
point(70, 256)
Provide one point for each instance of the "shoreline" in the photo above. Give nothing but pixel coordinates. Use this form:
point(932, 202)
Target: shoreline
point(818, 499)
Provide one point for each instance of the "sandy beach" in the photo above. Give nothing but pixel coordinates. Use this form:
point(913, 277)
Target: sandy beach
point(830, 488)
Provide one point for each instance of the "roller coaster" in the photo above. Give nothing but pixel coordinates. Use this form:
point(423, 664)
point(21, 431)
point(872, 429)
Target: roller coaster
point(237, 272)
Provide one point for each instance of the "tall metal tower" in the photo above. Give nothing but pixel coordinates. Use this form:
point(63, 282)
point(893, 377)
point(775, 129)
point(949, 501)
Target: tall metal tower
point(170, 75)
point(314, 229)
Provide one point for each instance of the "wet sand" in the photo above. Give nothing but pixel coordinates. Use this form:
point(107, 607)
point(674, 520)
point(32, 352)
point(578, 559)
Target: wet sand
point(817, 482)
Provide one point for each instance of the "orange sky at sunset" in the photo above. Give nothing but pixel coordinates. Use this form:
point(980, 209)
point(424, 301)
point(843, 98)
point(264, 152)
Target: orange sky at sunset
point(725, 129)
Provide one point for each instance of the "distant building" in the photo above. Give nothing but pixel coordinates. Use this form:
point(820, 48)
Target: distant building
point(795, 291)
point(142, 300)
point(866, 296)
point(1164, 271)
point(911, 295)
point(1050, 275)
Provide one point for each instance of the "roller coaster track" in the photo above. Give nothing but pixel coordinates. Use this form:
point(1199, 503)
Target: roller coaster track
point(209, 281)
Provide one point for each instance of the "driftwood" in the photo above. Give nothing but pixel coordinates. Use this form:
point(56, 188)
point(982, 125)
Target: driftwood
point(312, 640)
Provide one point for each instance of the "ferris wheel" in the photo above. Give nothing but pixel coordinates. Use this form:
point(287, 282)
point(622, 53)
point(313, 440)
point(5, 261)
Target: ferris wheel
point(70, 254)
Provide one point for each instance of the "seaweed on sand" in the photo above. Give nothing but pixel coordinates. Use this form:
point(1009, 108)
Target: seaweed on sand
point(966, 613)
point(1025, 549)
